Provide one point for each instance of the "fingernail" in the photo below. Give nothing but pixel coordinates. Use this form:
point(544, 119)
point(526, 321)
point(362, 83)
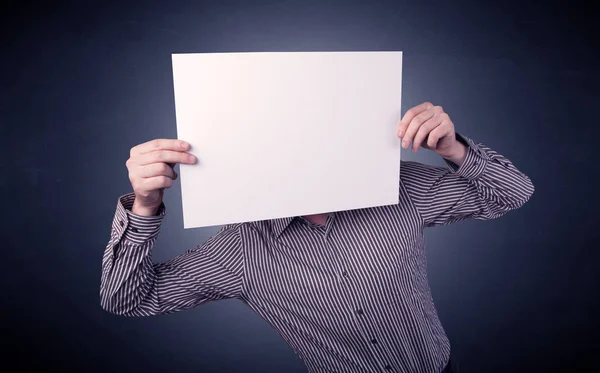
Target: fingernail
point(183, 145)
point(192, 158)
point(404, 144)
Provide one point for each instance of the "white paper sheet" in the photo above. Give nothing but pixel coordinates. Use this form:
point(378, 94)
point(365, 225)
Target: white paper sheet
point(281, 134)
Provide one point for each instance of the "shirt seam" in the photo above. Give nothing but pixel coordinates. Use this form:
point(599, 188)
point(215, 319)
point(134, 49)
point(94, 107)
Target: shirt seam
point(412, 202)
point(243, 287)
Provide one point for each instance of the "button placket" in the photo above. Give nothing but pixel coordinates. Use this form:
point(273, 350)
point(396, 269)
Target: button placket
point(122, 228)
point(361, 316)
point(340, 267)
point(343, 275)
point(370, 337)
point(378, 349)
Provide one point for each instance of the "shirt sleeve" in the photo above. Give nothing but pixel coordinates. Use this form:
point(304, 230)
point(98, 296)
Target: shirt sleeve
point(132, 285)
point(485, 186)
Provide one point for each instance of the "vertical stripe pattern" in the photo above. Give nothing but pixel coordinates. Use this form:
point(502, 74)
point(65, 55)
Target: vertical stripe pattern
point(349, 296)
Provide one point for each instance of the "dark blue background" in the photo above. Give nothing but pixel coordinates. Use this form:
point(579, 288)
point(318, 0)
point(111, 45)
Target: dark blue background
point(82, 83)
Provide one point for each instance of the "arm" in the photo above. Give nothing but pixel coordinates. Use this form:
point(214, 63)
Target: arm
point(485, 186)
point(132, 285)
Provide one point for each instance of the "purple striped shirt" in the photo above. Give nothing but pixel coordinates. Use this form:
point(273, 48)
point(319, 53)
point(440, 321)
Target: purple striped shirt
point(349, 296)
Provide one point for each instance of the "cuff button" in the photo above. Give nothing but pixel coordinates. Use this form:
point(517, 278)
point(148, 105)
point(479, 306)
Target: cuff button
point(134, 230)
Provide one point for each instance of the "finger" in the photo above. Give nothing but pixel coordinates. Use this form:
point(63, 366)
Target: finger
point(414, 126)
point(156, 183)
point(156, 169)
point(410, 114)
point(438, 132)
point(158, 144)
point(424, 131)
point(165, 156)
point(172, 165)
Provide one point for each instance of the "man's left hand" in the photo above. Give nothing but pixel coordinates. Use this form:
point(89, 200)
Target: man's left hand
point(428, 126)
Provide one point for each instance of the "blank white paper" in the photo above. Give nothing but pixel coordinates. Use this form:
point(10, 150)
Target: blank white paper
point(281, 134)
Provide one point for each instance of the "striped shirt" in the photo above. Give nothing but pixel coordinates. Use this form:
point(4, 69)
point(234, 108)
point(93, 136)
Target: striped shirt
point(348, 296)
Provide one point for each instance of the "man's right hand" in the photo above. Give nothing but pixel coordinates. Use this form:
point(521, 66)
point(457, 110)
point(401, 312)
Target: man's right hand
point(151, 170)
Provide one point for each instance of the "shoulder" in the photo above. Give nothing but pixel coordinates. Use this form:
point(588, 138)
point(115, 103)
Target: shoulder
point(246, 229)
point(240, 229)
point(227, 233)
point(232, 231)
point(232, 227)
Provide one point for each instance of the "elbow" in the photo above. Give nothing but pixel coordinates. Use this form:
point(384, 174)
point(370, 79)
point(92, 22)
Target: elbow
point(518, 195)
point(107, 303)
point(110, 303)
point(120, 304)
point(521, 195)
point(516, 198)
point(526, 192)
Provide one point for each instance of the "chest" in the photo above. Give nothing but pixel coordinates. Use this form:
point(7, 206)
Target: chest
point(359, 251)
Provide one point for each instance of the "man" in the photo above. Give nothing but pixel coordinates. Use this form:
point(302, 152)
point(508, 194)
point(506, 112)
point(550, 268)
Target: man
point(347, 290)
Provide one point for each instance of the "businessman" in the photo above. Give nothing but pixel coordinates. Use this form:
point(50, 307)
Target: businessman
point(347, 290)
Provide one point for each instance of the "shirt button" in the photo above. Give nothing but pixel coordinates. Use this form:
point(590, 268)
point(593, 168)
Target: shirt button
point(121, 222)
point(134, 229)
point(360, 311)
point(345, 274)
point(374, 341)
point(388, 367)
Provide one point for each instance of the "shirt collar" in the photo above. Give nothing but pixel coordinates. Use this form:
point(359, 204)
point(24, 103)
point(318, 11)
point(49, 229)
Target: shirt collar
point(279, 225)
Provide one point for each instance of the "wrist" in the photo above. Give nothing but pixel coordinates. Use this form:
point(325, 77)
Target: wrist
point(457, 154)
point(143, 211)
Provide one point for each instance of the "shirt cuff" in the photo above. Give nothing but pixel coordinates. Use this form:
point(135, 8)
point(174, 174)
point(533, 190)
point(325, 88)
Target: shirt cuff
point(136, 228)
point(475, 162)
